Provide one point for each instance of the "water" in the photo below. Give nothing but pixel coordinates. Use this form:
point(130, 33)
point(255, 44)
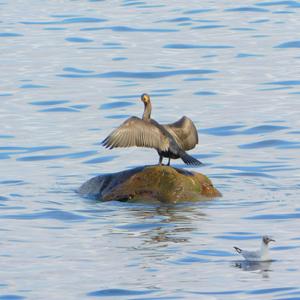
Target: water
point(72, 71)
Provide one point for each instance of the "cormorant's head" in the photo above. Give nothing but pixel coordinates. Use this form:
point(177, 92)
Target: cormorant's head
point(267, 239)
point(145, 98)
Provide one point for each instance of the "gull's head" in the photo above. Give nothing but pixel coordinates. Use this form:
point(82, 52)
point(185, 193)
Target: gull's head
point(267, 239)
point(145, 98)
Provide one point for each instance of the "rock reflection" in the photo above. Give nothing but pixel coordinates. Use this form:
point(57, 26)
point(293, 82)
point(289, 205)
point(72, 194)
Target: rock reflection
point(174, 224)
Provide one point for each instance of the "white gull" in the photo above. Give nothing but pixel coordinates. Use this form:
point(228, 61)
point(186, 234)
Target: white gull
point(258, 255)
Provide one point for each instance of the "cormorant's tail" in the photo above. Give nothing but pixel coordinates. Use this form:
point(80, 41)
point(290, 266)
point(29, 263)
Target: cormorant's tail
point(238, 250)
point(189, 160)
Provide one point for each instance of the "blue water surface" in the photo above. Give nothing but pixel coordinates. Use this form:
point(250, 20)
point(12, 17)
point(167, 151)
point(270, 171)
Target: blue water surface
point(72, 71)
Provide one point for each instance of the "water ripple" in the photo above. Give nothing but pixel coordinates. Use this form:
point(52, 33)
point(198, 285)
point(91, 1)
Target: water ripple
point(193, 46)
point(190, 260)
point(117, 104)
point(282, 248)
point(238, 237)
point(43, 148)
point(51, 214)
point(233, 130)
point(252, 174)
point(196, 79)
point(117, 117)
point(79, 40)
point(283, 12)
point(280, 144)
point(32, 86)
point(135, 96)
point(49, 102)
point(294, 132)
point(260, 21)
point(290, 3)
point(131, 29)
point(76, 70)
point(285, 82)
point(119, 58)
point(164, 90)
point(118, 293)
point(83, 20)
point(270, 291)
point(11, 297)
point(176, 20)
point(242, 29)
point(141, 75)
point(245, 55)
point(197, 11)
point(59, 109)
point(232, 292)
point(102, 159)
point(257, 169)
point(18, 150)
point(142, 227)
point(222, 130)
point(66, 21)
point(135, 3)
point(5, 94)
point(263, 129)
point(246, 9)
point(292, 44)
point(6, 136)
point(12, 182)
point(58, 156)
point(209, 252)
point(252, 292)
point(209, 27)
point(10, 34)
point(274, 216)
point(4, 156)
point(55, 28)
point(205, 93)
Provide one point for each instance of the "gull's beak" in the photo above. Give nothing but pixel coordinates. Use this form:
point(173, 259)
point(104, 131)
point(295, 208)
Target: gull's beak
point(271, 240)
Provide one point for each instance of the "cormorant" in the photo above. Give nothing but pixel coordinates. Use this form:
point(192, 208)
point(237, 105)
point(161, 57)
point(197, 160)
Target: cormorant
point(170, 140)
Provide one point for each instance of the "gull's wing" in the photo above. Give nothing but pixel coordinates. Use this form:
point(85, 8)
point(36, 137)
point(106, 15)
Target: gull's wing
point(251, 255)
point(137, 132)
point(184, 132)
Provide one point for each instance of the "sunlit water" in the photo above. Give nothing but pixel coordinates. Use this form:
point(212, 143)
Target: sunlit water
point(71, 71)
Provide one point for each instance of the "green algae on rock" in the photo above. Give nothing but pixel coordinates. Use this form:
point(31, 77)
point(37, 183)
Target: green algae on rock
point(151, 183)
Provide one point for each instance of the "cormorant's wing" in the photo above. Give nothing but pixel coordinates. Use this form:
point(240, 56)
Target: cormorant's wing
point(184, 132)
point(137, 132)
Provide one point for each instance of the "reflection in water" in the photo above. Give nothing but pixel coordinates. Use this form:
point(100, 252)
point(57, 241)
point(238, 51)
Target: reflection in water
point(167, 224)
point(264, 267)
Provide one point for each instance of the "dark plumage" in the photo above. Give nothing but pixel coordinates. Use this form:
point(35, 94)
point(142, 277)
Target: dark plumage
point(170, 140)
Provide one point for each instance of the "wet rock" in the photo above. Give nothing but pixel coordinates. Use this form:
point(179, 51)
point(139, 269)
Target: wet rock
point(150, 183)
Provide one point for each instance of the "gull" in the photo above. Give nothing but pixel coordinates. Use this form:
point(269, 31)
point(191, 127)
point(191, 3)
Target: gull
point(258, 255)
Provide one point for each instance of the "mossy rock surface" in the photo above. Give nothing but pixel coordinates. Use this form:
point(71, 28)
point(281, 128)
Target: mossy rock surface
point(151, 183)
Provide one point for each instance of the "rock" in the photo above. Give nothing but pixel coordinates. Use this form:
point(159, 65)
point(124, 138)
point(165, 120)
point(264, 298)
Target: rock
point(150, 183)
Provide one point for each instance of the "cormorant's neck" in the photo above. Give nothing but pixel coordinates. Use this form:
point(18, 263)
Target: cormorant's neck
point(147, 111)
